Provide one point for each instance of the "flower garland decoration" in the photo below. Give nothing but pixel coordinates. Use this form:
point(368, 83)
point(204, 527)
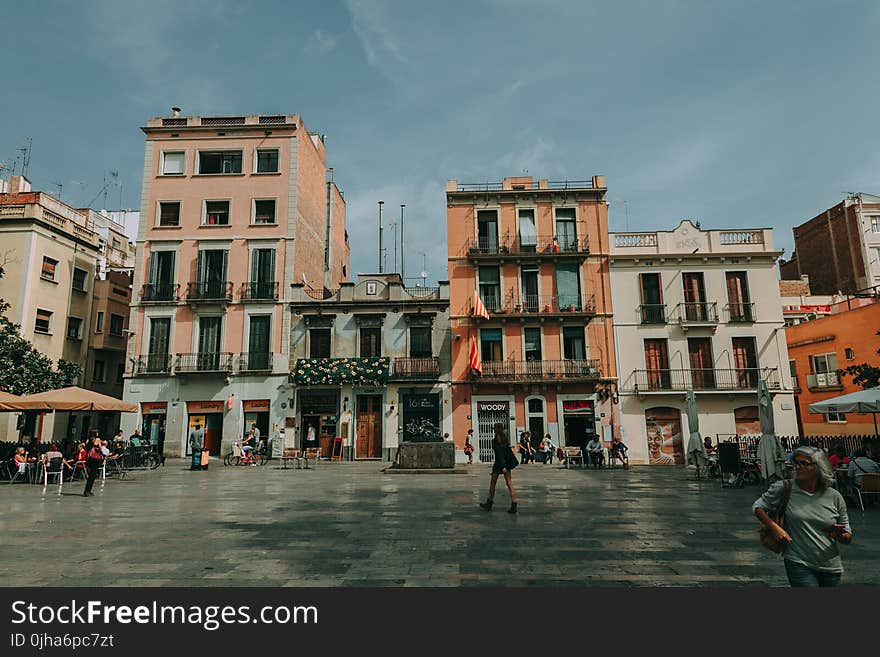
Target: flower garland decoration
point(341, 371)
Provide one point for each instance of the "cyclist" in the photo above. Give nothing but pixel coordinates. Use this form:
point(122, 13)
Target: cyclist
point(247, 448)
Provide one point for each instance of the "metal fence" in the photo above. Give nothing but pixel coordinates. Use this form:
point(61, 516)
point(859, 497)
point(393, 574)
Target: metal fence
point(748, 445)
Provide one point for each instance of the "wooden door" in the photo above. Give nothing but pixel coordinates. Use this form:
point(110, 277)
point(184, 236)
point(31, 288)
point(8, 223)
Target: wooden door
point(657, 364)
point(702, 372)
point(694, 297)
point(369, 427)
point(745, 360)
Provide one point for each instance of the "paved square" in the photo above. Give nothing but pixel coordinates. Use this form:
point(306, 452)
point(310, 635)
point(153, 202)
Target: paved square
point(348, 524)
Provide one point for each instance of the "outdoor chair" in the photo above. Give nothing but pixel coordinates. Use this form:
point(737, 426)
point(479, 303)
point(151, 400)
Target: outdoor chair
point(112, 467)
point(291, 455)
point(869, 485)
point(5, 472)
point(312, 453)
point(16, 475)
point(54, 468)
point(597, 459)
point(78, 468)
point(573, 455)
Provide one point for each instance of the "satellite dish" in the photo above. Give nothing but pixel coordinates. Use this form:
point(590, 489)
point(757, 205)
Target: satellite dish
point(424, 274)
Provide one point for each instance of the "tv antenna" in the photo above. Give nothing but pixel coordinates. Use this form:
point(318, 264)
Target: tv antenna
point(25, 155)
point(60, 187)
point(625, 209)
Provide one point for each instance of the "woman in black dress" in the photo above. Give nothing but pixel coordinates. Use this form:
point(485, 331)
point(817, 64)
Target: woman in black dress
point(503, 458)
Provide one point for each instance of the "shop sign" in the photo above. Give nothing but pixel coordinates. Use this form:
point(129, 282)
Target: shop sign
point(154, 408)
point(577, 406)
point(492, 406)
point(205, 407)
point(421, 417)
point(256, 405)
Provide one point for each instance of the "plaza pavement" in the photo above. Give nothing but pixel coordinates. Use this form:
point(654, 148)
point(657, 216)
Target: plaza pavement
point(349, 524)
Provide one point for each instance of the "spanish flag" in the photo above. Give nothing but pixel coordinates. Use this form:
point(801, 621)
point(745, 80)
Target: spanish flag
point(479, 306)
point(474, 359)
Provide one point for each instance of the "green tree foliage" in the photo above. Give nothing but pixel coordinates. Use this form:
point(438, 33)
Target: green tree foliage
point(863, 375)
point(23, 369)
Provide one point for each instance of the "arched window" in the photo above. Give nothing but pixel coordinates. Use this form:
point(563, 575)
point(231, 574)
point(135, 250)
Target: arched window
point(747, 421)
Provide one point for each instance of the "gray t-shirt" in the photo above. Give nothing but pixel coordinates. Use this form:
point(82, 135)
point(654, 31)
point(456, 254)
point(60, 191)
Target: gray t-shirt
point(807, 514)
point(861, 465)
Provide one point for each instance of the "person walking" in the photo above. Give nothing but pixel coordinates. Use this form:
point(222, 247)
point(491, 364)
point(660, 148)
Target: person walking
point(94, 460)
point(525, 448)
point(469, 446)
point(504, 461)
point(196, 440)
point(815, 520)
point(548, 448)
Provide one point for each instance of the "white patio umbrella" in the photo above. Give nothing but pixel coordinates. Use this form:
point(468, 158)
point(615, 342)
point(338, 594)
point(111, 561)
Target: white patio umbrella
point(863, 401)
point(769, 450)
point(696, 453)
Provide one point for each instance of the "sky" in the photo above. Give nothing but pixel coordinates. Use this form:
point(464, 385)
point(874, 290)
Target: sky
point(734, 114)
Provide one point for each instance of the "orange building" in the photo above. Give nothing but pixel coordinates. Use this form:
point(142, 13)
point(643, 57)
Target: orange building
point(536, 255)
point(817, 350)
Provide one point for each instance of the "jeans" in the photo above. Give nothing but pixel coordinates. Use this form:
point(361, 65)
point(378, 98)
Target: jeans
point(91, 474)
point(801, 575)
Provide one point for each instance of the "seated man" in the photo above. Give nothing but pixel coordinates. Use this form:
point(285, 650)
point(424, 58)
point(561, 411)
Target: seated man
point(859, 466)
point(594, 449)
point(618, 451)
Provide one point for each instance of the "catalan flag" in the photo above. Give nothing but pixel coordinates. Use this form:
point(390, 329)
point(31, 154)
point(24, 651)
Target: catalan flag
point(474, 359)
point(479, 306)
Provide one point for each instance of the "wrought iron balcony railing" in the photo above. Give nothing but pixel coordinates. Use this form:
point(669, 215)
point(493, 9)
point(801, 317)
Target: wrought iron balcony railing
point(416, 368)
point(259, 291)
point(819, 380)
point(540, 245)
point(536, 304)
point(160, 292)
point(652, 313)
point(531, 371)
point(740, 312)
point(255, 361)
point(152, 364)
point(660, 380)
point(209, 291)
point(698, 312)
point(204, 362)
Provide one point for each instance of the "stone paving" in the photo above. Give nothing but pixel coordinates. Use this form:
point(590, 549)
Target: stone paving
point(349, 524)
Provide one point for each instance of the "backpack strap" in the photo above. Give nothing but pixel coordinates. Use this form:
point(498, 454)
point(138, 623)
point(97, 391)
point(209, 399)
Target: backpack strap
point(783, 503)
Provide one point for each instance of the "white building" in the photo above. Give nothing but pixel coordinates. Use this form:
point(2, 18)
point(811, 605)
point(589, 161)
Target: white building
point(696, 309)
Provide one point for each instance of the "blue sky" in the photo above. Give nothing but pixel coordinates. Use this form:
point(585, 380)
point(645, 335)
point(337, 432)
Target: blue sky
point(733, 114)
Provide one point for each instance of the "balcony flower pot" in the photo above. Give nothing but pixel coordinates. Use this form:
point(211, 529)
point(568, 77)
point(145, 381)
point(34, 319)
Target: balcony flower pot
point(547, 308)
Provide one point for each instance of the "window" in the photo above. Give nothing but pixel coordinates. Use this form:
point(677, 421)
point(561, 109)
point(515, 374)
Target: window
point(219, 162)
point(420, 342)
point(120, 372)
point(43, 323)
point(98, 371)
point(49, 266)
point(117, 244)
point(217, 213)
point(490, 345)
point(652, 309)
point(74, 328)
point(99, 322)
point(850, 354)
point(573, 345)
point(264, 211)
point(371, 341)
point(319, 343)
point(739, 307)
point(566, 237)
point(79, 279)
point(487, 231)
point(532, 339)
point(490, 287)
point(169, 213)
point(267, 160)
point(528, 237)
point(568, 286)
point(875, 223)
point(173, 163)
point(824, 371)
point(116, 324)
point(835, 417)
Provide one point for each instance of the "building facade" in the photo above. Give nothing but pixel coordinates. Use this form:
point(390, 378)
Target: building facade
point(839, 249)
point(817, 351)
point(369, 365)
point(235, 210)
point(696, 309)
point(50, 261)
point(535, 253)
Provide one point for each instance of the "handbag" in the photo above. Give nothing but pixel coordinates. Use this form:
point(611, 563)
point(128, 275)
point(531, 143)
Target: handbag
point(512, 461)
point(768, 540)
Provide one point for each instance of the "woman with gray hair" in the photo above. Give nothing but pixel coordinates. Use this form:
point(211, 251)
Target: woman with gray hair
point(815, 520)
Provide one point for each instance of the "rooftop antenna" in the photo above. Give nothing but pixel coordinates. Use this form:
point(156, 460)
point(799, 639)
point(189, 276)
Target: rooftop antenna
point(381, 203)
point(424, 270)
point(26, 155)
point(393, 225)
point(402, 268)
point(626, 210)
point(60, 187)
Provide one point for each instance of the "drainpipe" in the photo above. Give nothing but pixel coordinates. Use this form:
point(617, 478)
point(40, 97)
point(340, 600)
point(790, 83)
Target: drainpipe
point(328, 222)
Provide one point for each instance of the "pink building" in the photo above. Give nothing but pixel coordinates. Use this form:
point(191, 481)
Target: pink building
point(234, 210)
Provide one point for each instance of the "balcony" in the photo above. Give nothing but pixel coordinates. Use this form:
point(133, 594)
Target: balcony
point(152, 364)
point(740, 313)
point(530, 305)
point(427, 368)
point(205, 362)
point(699, 313)
point(652, 313)
point(824, 381)
point(159, 292)
point(259, 291)
point(538, 371)
point(701, 380)
point(341, 371)
point(540, 247)
point(209, 291)
point(255, 362)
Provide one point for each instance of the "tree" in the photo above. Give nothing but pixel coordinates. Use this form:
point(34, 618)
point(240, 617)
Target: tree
point(863, 375)
point(23, 369)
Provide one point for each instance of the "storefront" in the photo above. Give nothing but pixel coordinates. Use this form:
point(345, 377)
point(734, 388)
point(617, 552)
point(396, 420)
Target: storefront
point(154, 415)
point(256, 411)
point(209, 416)
point(578, 421)
point(490, 413)
point(318, 413)
point(421, 416)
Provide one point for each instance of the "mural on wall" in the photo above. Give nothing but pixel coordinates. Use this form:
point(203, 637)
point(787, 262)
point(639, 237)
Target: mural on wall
point(747, 421)
point(663, 428)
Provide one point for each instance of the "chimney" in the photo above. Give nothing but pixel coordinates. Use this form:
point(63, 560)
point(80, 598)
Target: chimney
point(806, 279)
point(18, 185)
point(175, 111)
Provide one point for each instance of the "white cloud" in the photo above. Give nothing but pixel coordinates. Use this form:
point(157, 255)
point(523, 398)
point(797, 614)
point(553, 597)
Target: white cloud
point(371, 23)
point(319, 42)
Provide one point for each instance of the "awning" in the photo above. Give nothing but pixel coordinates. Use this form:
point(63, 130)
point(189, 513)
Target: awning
point(863, 401)
point(68, 399)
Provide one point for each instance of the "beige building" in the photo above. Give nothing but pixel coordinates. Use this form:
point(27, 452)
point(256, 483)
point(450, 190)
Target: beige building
point(49, 257)
point(696, 309)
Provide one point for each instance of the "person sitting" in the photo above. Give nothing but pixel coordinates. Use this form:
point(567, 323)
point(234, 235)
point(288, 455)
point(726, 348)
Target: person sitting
point(618, 451)
point(708, 446)
point(105, 450)
point(20, 460)
point(861, 465)
point(594, 449)
point(839, 458)
point(247, 446)
point(52, 453)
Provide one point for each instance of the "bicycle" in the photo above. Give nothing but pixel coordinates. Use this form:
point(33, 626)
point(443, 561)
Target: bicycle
point(239, 457)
